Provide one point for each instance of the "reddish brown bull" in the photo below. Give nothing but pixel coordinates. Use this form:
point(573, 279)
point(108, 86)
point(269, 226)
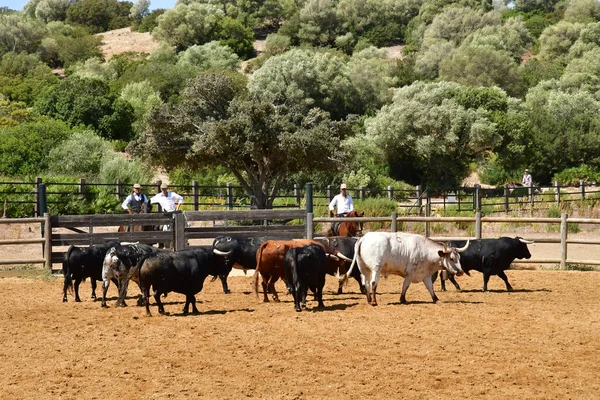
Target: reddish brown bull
point(270, 263)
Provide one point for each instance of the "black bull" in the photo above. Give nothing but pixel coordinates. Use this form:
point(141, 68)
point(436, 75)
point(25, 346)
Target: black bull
point(84, 262)
point(305, 269)
point(344, 245)
point(181, 272)
point(491, 257)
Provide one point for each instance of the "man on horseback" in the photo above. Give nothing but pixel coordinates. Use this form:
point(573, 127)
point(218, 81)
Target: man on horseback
point(133, 203)
point(343, 201)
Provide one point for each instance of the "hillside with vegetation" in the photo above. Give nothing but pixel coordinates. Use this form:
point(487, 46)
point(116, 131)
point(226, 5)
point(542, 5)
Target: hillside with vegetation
point(487, 86)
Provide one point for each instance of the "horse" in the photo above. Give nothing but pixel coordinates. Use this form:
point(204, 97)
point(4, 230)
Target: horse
point(144, 209)
point(346, 228)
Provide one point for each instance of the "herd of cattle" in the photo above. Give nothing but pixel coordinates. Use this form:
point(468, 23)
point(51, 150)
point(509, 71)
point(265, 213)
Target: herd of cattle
point(301, 264)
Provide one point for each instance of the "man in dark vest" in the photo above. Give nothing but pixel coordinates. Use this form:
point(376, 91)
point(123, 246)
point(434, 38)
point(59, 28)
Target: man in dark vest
point(133, 203)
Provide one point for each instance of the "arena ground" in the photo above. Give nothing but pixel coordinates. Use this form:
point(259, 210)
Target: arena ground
point(540, 342)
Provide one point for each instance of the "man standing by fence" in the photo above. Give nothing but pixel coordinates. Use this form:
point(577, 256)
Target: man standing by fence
point(170, 202)
point(134, 202)
point(528, 183)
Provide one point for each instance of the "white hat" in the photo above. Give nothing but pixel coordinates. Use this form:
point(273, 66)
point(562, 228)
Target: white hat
point(343, 186)
point(164, 186)
point(526, 170)
point(137, 186)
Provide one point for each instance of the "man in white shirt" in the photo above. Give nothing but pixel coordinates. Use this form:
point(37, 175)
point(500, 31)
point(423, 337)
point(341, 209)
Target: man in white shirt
point(133, 203)
point(527, 179)
point(343, 201)
point(169, 201)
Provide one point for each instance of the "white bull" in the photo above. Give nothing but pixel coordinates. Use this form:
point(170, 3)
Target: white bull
point(411, 256)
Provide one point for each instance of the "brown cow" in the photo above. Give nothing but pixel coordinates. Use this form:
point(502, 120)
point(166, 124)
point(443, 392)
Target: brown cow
point(270, 263)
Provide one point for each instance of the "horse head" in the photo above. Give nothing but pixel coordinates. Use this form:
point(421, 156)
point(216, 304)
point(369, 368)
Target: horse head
point(351, 228)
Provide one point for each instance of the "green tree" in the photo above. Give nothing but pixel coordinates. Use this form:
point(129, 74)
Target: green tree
point(583, 11)
point(428, 137)
point(208, 56)
point(556, 40)
point(100, 15)
point(482, 66)
point(66, 44)
point(88, 102)
point(260, 144)
point(24, 148)
point(79, 155)
point(143, 98)
point(185, 26)
point(23, 76)
point(20, 33)
point(237, 37)
point(52, 10)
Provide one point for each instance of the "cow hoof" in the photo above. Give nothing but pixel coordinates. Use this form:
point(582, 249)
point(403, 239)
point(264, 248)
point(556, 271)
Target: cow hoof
point(276, 300)
point(78, 300)
point(104, 306)
point(298, 309)
point(64, 300)
point(374, 304)
point(510, 289)
point(227, 291)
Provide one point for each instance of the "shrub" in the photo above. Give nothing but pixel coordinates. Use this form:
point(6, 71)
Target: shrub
point(572, 176)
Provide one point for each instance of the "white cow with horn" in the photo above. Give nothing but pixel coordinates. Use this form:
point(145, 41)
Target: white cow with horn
point(411, 256)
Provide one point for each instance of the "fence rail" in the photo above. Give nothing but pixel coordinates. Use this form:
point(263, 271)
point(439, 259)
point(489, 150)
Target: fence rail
point(417, 201)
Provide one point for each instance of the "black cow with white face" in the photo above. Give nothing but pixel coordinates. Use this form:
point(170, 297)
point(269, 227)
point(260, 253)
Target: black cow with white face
point(181, 272)
point(121, 265)
point(305, 269)
point(492, 257)
point(237, 250)
point(80, 263)
point(344, 245)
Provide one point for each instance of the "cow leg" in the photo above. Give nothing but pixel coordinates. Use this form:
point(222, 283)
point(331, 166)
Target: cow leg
point(146, 297)
point(265, 287)
point(319, 295)
point(366, 281)
point(93, 282)
point(502, 275)
point(65, 288)
point(374, 280)
point(76, 286)
point(161, 308)
point(405, 286)
point(340, 291)
point(429, 285)
point(453, 280)
point(105, 285)
point(271, 286)
point(223, 278)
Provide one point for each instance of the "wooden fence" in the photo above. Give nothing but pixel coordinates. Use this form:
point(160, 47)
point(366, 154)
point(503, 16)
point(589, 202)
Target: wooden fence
point(252, 223)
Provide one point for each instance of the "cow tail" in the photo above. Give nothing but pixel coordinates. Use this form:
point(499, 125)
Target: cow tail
point(257, 271)
point(354, 261)
point(67, 270)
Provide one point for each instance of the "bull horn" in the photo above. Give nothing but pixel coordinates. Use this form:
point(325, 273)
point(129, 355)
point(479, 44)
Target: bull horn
point(526, 241)
point(221, 253)
point(333, 256)
point(343, 257)
point(461, 249)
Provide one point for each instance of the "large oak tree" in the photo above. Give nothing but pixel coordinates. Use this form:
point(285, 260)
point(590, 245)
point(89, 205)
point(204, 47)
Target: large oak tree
point(217, 123)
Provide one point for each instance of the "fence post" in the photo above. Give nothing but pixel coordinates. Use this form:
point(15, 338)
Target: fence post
point(458, 198)
point(36, 210)
point(476, 198)
point(390, 192)
point(229, 195)
point(179, 232)
point(361, 190)
point(563, 241)
point(195, 195)
point(119, 189)
point(309, 225)
point(158, 183)
point(394, 227)
point(506, 193)
point(309, 198)
point(297, 194)
point(419, 189)
point(582, 185)
point(478, 225)
point(557, 191)
point(48, 243)
point(427, 214)
point(42, 204)
point(81, 187)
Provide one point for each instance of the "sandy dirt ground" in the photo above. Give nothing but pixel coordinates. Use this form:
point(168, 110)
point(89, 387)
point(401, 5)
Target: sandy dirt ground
point(540, 342)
